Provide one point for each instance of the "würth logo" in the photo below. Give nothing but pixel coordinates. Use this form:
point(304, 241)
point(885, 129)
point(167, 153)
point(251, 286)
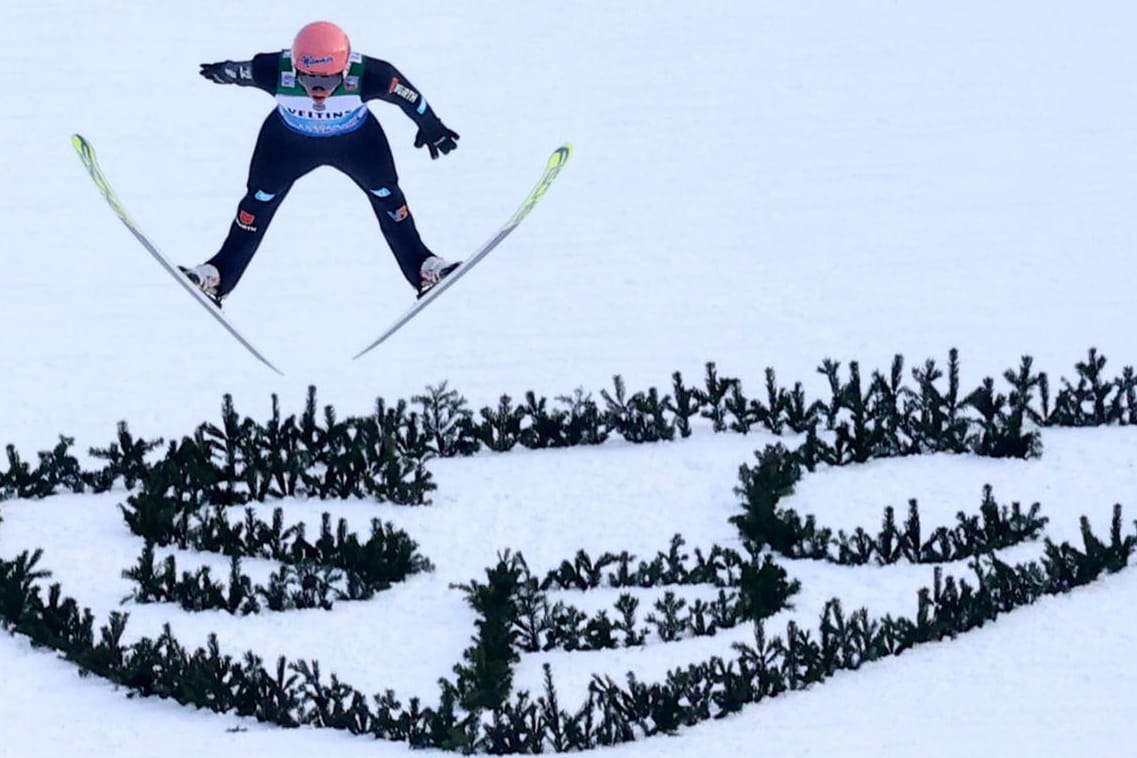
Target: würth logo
point(406, 93)
point(245, 220)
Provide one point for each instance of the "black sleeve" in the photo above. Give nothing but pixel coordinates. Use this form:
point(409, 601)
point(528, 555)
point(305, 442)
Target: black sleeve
point(382, 81)
point(260, 72)
point(266, 71)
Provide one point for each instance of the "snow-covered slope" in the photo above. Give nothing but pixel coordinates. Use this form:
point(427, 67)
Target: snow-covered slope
point(755, 183)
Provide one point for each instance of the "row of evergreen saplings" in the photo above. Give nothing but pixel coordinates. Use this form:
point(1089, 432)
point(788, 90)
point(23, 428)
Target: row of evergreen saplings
point(518, 604)
point(862, 419)
point(383, 455)
point(764, 523)
point(337, 565)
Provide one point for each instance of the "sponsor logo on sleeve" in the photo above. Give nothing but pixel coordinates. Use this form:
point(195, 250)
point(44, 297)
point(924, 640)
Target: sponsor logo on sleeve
point(245, 220)
point(406, 93)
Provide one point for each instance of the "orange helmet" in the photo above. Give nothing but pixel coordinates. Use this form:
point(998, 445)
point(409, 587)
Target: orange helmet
point(322, 48)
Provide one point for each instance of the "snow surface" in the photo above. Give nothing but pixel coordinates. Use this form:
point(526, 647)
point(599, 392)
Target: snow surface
point(755, 183)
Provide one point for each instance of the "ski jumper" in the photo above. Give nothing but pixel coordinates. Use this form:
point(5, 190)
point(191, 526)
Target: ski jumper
point(341, 132)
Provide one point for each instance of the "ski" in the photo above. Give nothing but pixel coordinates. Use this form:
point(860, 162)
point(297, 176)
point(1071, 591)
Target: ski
point(87, 156)
point(556, 162)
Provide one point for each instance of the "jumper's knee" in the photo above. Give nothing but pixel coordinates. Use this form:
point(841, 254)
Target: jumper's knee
point(389, 199)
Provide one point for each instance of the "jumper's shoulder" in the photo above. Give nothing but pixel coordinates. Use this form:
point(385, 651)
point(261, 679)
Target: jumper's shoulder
point(377, 78)
point(266, 69)
point(376, 66)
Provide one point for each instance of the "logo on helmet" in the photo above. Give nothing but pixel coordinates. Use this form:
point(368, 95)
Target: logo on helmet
point(312, 60)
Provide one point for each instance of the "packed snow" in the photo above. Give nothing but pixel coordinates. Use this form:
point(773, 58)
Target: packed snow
point(754, 183)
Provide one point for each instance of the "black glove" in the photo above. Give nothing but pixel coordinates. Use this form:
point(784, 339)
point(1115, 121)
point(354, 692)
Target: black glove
point(437, 138)
point(228, 72)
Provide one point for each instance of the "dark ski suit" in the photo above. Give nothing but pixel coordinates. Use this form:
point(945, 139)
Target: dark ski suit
point(297, 137)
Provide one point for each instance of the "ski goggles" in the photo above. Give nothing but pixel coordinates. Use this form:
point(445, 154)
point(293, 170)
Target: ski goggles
point(326, 82)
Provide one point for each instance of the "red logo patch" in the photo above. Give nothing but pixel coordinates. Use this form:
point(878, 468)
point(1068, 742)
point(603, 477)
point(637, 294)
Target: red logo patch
point(246, 218)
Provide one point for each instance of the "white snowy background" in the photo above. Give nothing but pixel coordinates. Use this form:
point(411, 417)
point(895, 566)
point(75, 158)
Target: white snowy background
point(755, 183)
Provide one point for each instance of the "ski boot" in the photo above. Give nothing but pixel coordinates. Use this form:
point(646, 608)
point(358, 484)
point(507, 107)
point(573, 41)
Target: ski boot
point(206, 278)
point(433, 271)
